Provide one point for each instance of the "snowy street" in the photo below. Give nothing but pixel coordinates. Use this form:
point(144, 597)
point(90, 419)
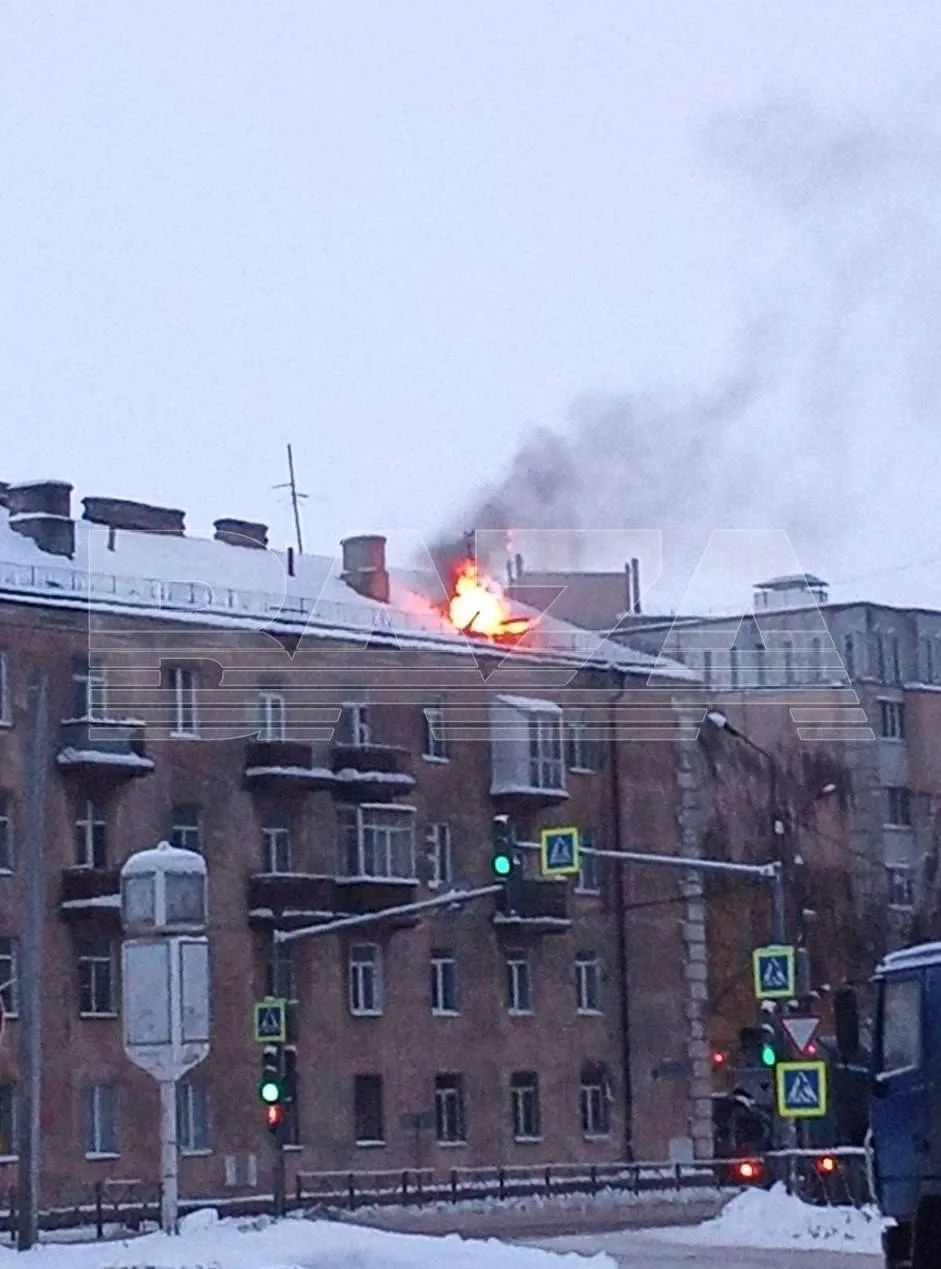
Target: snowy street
point(631, 1250)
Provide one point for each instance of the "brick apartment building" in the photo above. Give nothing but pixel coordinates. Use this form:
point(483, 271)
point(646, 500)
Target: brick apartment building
point(333, 746)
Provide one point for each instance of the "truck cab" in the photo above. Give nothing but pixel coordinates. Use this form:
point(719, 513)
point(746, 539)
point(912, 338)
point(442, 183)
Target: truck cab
point(906, 1105)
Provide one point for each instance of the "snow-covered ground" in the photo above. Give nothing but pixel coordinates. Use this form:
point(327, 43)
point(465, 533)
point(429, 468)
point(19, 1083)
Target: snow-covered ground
point(775, 1220)
point(205, 1242)
point(605, 1197)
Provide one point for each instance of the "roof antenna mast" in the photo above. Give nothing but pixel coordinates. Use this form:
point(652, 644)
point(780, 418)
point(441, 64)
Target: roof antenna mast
point(295, 499)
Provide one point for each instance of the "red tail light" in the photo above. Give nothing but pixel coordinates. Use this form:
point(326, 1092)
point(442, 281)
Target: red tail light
point(826, 1165)
point(748, 1171)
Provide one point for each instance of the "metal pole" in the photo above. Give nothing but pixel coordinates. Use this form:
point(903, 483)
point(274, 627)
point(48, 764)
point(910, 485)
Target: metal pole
point(280, 1171)
point(369, 918)
point(170, 1180)
point(297, 514)
point(29, 973)
point(778, 912)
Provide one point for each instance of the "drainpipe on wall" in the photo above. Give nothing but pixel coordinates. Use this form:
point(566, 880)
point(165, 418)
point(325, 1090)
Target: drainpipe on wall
point(689, 816)
point(621, 909)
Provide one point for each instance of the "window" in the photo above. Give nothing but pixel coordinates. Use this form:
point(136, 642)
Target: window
point(898, 806)
point(788, 662)
point(6, 833)
point(9, 977)
point(519, 983)
point(707, 665)
point(892, 720)
point(292, 1110)
point(761, 667)
point(895, 658)
point(595, 1102)
point(849, 656)
point(376, 841)
point(816, 660)
point(185, 898)
point(439, 853)
point(524, 1105)
point(355, 726)
point(588, 983)
point(589, 870)
point(89, 690)
point(901, 887)
point(96, 978)
point(546, 768)
point(272, 716)
point(879, 641)
point(91, 837)
point(443, 982)
point(434, 745)
point(367, 1110)
point(365, 980)
point(192, 1110)
point(281, 974)
point(186, 827)
point(450, 1119)
point(733, 667)
point(580, 745)
point(6, 704)
point(900, 1019)
point(276, 847)
point(927, 660)
point(184, 683)
point(100, 1128)
point(8, 1120)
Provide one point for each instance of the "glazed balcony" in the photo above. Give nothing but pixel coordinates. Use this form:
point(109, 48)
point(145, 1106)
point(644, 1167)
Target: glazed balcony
point(371, 772)
point(284, 764)
point(290, 900)
point(91, 892)
point(108, 746)
point(543, 907)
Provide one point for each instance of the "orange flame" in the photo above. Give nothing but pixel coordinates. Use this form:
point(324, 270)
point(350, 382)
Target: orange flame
point(478, 606)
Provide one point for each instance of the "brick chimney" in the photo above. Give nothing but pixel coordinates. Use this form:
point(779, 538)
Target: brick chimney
point(42, 510)
point(242, 533)
point(138, 517)
point(364, 566)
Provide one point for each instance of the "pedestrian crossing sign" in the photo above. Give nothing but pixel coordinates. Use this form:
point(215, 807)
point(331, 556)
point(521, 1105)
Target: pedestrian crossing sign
point(801, 1090)
point(560, 851)
point(775, 974)
point(270, 1021)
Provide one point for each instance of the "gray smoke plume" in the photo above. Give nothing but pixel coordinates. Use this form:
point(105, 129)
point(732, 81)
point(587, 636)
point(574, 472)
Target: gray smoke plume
point(837, 365)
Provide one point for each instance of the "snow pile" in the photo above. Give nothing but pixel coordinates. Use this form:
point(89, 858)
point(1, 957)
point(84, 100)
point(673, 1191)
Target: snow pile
point(205, 1242)
point(778, 1220)
point(608, 1196)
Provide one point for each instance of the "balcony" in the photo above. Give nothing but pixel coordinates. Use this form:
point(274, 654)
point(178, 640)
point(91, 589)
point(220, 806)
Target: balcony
point(284, 764)
point(543, 908)
point(106, 745)
point(527, 753)
point(359, 896)
point(370, 772)
point(91, 892)
point(290, 900)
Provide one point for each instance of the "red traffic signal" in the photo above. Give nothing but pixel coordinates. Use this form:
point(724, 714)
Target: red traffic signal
point(748, 1171)
point(826, 1165)
point(719, 1060)
point(274, 1115)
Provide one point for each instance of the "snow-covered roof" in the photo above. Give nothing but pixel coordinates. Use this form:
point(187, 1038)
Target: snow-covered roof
point(910, 958)
point(529, 704)
point(208, 582)
point(164, 858)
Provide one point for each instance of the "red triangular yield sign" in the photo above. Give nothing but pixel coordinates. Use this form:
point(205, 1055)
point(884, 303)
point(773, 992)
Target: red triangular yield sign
point(801, 1030)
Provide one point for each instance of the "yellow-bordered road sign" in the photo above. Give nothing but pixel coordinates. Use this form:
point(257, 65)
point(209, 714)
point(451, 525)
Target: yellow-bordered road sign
point(561, 849)
point(801, 1090)
point(775, 972)
point(270, 1022)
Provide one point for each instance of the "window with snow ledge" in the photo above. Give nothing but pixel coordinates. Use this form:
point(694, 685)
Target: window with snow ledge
point(272, 716)
point(97, 978)
point(376, 842)
point(434, 740)
point(89, 689)
point(6, 705)
point(366, 987)
point(276, 846)
point(184, 685)
point(355, 725)
point(9, 976)
point(528, 752)
point(91, 836)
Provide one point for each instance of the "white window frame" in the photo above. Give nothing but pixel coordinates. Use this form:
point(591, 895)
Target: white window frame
point(891, 720)
point(6, 704)
point(185, 683)
point(7, 843)
point(10, 976)
point(546, 751)
point(356, 719)
point(94, 679)
point(107, 963)
point(181, 834)
point(366, 980)
point(588, 880)
point(434, 741)
point(524, 1104)
point(98, 1148)
point(519, 970)
point(587, 976)
point(438, 839)
point(383, 851)
point(273, 715)
point(900, 805)
point(192, 1107)
point(450, 1109)
point(91, 817)
point(595, 1109)
point(900, 880)
point(443, 978)
point(579, 746)
point(277, 848)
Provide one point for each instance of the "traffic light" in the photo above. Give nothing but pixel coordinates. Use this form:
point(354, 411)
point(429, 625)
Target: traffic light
point(271, 1085)
point(769, 1044)
point(274, 1117)
point(748, 1171)
point(503, 858)
point(826, 1165)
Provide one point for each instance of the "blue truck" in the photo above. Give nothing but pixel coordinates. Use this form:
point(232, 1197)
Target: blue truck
point(905, 1131)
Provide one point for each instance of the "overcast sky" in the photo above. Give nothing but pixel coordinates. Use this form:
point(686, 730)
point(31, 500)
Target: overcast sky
point(400, 233)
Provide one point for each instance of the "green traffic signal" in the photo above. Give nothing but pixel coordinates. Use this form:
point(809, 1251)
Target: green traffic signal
point(768, 1055)
point(502, 865)
point(269, 1091)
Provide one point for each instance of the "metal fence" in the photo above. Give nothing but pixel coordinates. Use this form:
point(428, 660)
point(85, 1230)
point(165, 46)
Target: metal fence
point(839, 1178)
